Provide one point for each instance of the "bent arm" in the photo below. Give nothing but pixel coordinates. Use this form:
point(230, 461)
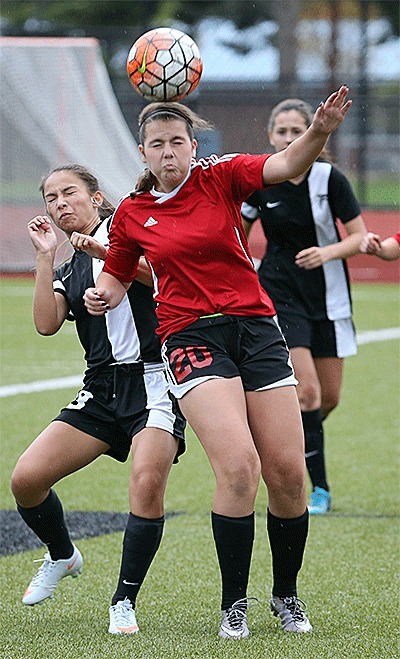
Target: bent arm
point(315, 256)
point(50, 308)
point(84, 243)
point(144, 273)
point(387, 250)
point(96, 250)
point(298, 157)
point(107, 294)
point(350, 245)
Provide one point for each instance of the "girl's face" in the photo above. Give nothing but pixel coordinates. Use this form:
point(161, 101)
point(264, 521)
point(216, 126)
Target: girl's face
point(69, 202)
point(288, 126)
point(168, 150)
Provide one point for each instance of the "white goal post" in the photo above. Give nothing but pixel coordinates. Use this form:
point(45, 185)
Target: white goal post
point(57, 106)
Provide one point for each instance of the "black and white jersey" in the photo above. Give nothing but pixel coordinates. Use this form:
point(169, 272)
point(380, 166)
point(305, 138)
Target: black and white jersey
point(125, 334)
point(295, 217)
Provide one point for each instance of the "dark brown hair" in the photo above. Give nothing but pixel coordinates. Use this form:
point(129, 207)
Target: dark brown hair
point(106, 209)
point(165, 112)
point(168, 111)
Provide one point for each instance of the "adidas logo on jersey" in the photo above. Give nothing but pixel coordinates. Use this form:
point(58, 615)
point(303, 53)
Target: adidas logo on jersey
point(150, 222)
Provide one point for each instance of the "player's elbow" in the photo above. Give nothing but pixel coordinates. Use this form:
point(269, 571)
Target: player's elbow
point(46, 329)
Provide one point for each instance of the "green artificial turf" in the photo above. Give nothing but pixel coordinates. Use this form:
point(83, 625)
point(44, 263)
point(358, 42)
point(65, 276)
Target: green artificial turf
point(350, 573)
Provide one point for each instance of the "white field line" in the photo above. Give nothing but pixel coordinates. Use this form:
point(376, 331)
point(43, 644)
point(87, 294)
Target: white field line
point(371, 336)
point(41, 385)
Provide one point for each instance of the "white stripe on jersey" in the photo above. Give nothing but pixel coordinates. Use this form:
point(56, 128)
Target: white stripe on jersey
point(248, 257)
point(346, 342)
point(206, 163)
point(337, 296)
point(155, 280)
point(121, 328)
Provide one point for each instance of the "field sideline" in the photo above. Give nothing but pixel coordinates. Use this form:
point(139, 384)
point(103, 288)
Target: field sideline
point(349, 579)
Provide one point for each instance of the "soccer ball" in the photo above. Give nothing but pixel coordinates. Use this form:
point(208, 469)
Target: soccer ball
point(164, 65)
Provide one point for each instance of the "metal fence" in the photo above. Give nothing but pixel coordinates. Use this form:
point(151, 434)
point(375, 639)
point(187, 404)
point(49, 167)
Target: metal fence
point(366, 147)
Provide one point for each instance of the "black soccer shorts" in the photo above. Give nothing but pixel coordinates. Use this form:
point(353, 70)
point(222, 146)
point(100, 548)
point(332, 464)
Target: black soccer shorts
point(119, 401)
point(324, 338)
point(223, 346)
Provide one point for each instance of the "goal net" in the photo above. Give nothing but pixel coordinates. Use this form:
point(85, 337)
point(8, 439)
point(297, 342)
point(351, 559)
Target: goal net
point(57, 106)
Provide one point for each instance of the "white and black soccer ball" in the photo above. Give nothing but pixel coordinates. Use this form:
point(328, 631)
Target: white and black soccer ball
point(164, 64)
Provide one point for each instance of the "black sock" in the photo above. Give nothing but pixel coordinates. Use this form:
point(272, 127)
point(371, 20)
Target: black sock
point(234, 538)
point(314, 448)
point(47, 521)
point(287, 538)
point(141, 540)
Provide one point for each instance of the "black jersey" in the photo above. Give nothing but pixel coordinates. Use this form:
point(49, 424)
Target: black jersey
point(125, 334)
point(295, 217)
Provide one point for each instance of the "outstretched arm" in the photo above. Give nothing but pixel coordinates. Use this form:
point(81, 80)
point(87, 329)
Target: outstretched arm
point(300, 154)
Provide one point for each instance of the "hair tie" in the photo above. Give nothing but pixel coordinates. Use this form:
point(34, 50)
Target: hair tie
point(174, 111)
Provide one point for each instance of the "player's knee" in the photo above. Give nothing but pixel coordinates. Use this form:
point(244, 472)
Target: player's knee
point(309, 396)
point(286, 481)
point(148, 484)
point(24, 483)
point(242, 476)
point(296, 486)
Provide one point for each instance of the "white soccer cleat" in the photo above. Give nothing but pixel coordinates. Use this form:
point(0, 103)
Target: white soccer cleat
point(122, 618)
point(292, 616)
point(49, 574)
point(234, 619)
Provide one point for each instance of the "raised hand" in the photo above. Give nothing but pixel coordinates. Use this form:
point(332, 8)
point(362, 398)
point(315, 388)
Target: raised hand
point(42, 235)
point(329, 115)
point(89, 245)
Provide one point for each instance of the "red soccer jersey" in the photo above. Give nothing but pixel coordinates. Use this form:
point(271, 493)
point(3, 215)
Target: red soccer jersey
point(194, 241)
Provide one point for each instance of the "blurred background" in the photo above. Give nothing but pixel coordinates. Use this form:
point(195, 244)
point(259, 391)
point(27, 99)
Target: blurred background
point(65, 95)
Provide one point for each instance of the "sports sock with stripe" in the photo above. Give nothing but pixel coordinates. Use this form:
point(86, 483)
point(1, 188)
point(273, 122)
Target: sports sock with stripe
point(141, 541)
point(314, 448)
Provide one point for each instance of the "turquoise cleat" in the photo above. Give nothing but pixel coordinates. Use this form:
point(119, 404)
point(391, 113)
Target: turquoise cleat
point(320, 501)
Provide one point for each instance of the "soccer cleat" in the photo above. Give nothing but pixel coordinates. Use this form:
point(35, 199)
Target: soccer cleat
point(234, 619)
point(292, 616)
point(320, 501)
point(49, 574)
point(122, 618)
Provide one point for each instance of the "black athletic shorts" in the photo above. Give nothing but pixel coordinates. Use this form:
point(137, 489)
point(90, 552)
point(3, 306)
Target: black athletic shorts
point(252, 348)
point(119, 401)
point(324, 338)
